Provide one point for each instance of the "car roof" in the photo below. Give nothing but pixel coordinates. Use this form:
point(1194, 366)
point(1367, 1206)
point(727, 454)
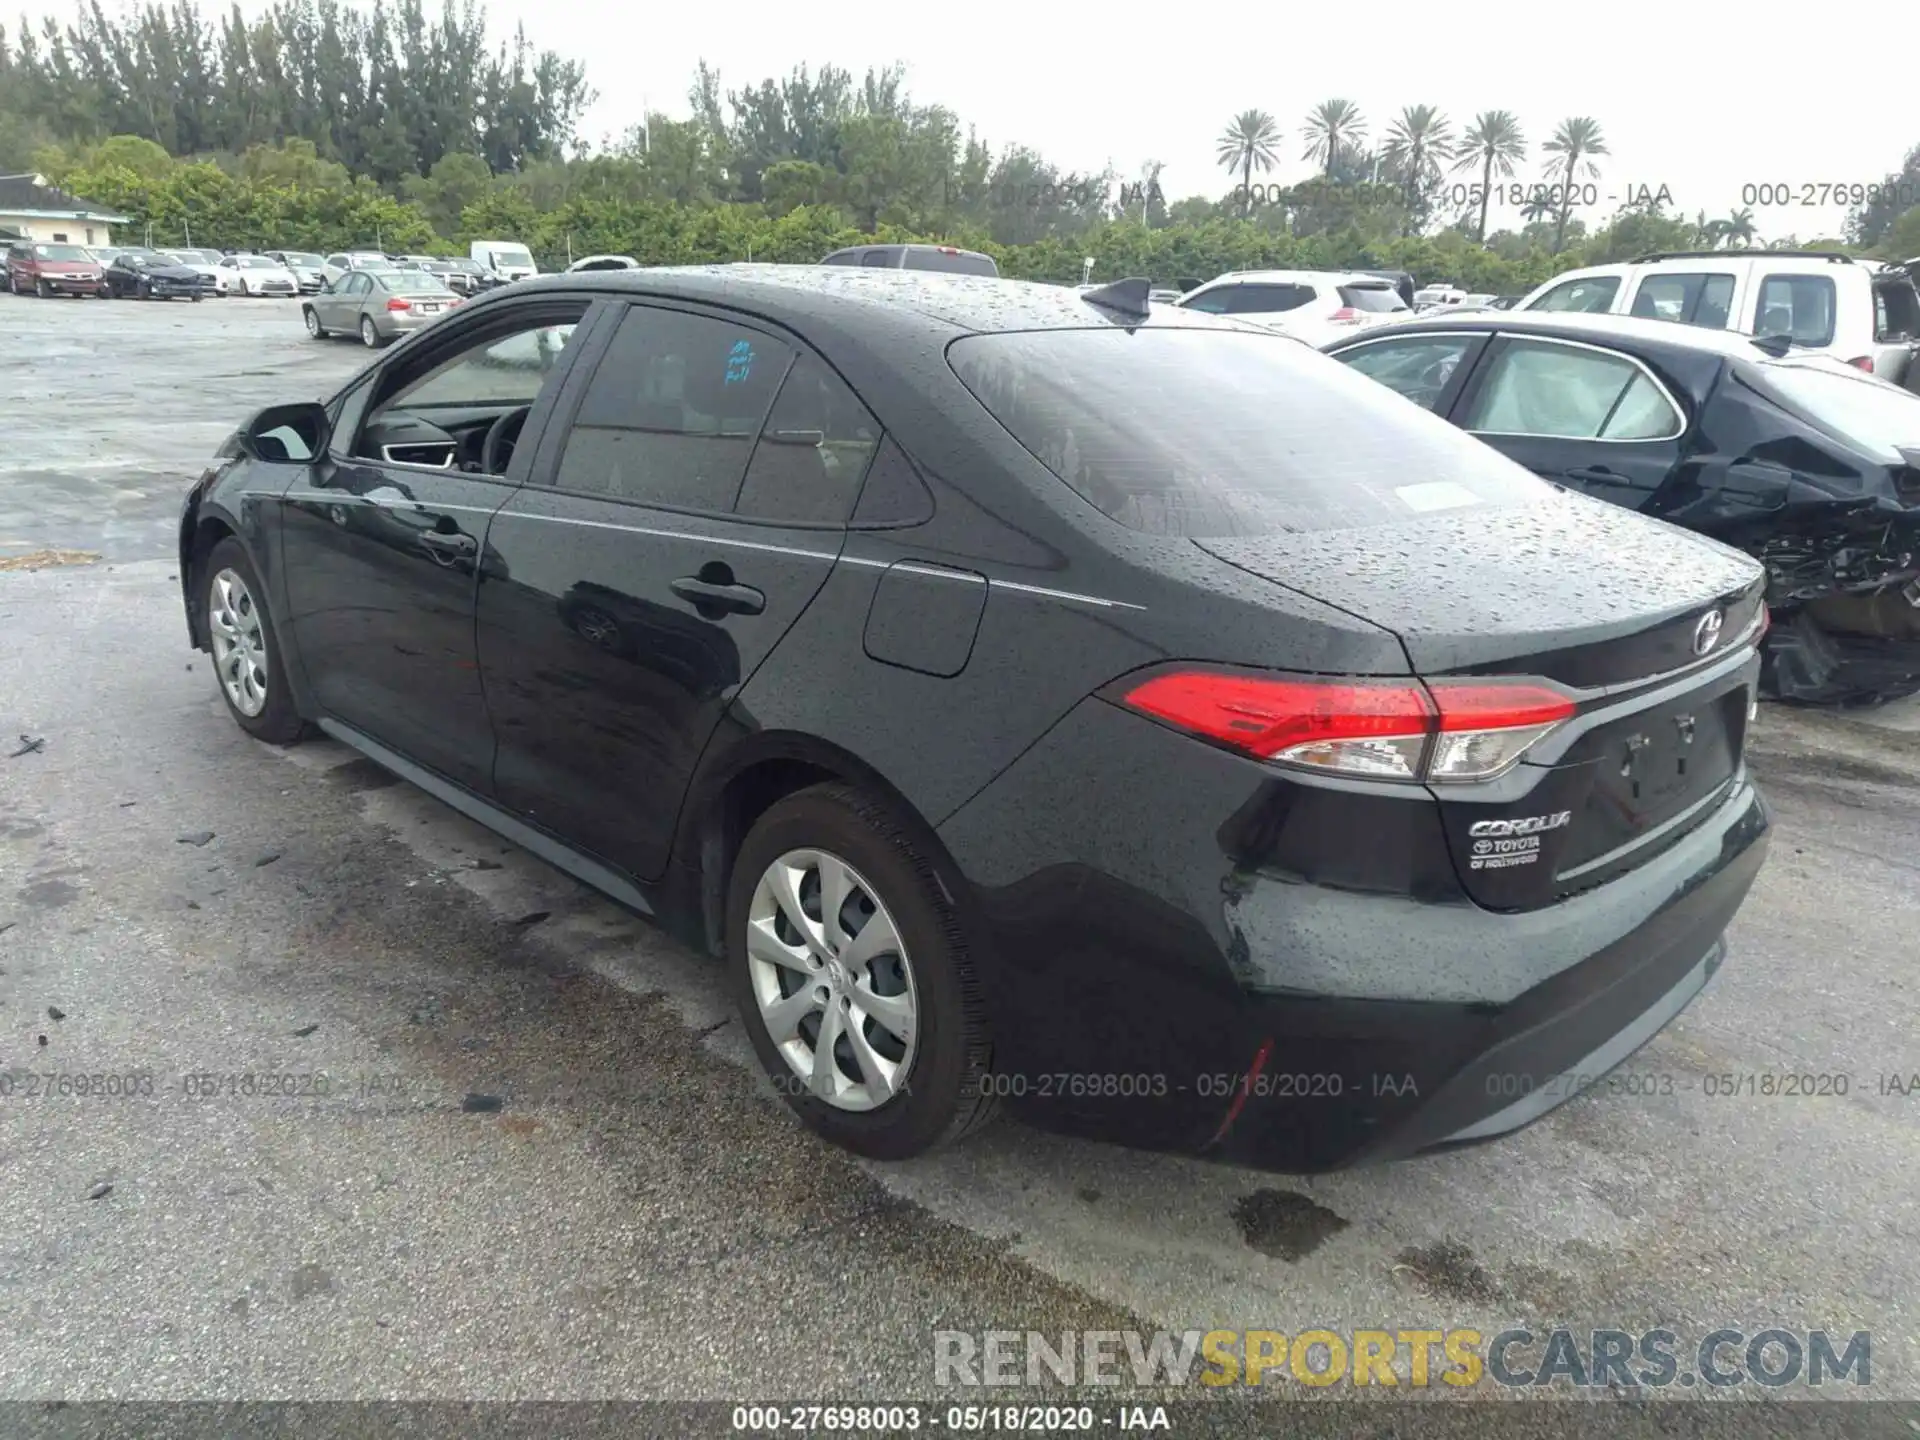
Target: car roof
point(1634, 330)
point(937, 303)
point(1268, 277)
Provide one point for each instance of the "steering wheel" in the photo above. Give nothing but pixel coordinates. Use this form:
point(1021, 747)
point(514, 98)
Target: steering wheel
point(497, 450)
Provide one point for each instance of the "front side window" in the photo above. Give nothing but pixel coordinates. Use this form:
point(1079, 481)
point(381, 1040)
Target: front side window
point(812, 452)
point(507, 370)
point(878, 260)
point(1537, 387)
point(1592, 295)
point(673, 410)
point(1797, 306)
point(1418, 368)
point(1223, 432)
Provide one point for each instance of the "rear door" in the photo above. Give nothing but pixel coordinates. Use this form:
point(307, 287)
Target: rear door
point(1592, 419)
point(686, 506)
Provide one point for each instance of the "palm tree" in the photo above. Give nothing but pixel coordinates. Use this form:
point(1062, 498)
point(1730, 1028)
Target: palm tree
point(1419, 142)
point(1574, 144)
point(1537, 208)
point(1493, 143)
point(1737, 228)
point(1333, 126)
point(1246, 142)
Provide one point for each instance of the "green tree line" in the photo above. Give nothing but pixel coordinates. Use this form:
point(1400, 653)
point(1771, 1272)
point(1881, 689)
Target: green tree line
point(322, 126)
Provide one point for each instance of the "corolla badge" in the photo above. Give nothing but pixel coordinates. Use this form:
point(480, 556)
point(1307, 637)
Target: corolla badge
point(1706, 634)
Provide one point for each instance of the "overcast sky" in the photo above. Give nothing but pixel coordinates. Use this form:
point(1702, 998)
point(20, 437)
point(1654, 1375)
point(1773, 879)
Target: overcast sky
point(1704, 99)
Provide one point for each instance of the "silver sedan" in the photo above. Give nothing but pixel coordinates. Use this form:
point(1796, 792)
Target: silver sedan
point(378, 305)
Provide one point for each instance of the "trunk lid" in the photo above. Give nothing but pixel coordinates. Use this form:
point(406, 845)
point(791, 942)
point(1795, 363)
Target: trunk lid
point(1606, 604)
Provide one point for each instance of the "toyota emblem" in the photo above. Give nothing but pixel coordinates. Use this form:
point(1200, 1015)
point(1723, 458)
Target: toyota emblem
point(1706, 634)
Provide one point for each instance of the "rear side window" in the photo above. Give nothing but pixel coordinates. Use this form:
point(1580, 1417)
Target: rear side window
point(811, 454)
point(1798, 306)
point(1592, 295)
point(880, 260)
point(1705, 300)
point(672, 412)
point(1215, 433)
point(1535, 387)
point(1374, 298)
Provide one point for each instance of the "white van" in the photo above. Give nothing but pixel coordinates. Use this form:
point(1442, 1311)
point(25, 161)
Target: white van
point(503, 259)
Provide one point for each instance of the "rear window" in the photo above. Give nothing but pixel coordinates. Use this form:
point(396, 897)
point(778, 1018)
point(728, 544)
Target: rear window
point(1896, 309)
point(1376, 298)
point(1216, 433)
point(1869, 412)
point(958, 263)
point(1591, 294)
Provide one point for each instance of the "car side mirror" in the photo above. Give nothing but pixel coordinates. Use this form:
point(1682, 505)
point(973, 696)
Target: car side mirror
point(287, 434)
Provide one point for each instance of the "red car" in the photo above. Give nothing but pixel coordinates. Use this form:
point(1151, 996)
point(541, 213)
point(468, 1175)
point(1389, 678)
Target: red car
point(49, 270)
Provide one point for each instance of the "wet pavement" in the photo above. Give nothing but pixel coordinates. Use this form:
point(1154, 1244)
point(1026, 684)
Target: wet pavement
point(542, 1163)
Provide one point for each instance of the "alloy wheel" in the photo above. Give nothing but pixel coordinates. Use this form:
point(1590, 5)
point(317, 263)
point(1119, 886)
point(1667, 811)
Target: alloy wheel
point(832, 979)
point(313, 324)
point(239, 642)
point(367, 336)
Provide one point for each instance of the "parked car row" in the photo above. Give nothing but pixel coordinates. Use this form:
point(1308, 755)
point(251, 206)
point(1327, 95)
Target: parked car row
point(144, 272)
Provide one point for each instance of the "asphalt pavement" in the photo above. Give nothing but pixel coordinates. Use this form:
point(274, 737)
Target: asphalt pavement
point(517, 1147)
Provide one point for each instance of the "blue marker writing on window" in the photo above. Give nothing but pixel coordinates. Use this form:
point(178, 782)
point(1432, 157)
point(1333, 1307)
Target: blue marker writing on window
point(739, 362)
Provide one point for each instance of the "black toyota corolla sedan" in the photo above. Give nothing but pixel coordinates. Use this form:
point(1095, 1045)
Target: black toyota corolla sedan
point(1130, 716)
point(1800, 460)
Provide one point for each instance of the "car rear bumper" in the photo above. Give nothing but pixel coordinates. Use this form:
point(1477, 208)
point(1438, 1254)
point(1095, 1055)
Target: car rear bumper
point(1186, 951)
point(70, 285)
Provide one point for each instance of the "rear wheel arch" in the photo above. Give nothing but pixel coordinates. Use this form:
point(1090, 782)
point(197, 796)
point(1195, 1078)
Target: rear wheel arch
point(754, 776)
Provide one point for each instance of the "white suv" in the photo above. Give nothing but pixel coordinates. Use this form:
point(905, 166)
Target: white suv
point(1858, 311)
point(1316, 305)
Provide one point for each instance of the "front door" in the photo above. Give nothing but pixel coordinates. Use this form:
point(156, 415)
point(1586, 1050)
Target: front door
point(672, 530)
point(384, 542)
point(1591, 419)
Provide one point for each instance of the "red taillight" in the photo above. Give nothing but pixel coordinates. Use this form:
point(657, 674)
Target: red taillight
point(1345, 312)
point(1863, 362)
point(1385, 729)
point(398, 304)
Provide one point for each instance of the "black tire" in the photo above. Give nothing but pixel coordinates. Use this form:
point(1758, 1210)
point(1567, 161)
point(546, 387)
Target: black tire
point(314, 327)
point(369, 336)
point(1803, 666)
point(279, 722)
point(42, 290)
point(943, 1097)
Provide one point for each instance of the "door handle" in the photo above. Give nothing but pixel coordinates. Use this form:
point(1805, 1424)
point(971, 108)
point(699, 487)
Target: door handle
point(1597, 475)
point(453, 544)
point(712, 595)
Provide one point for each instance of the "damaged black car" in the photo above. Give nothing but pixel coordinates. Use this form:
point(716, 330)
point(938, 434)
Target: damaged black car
point(1805, 463)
